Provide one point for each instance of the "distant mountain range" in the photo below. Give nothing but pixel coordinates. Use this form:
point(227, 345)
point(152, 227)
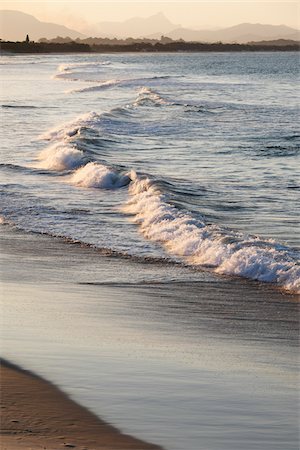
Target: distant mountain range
point(155, 26)
point(14, 25)
point(135, 27)
point(242, 33)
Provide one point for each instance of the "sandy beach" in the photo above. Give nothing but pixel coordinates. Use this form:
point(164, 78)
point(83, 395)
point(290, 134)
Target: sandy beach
point(37, 415)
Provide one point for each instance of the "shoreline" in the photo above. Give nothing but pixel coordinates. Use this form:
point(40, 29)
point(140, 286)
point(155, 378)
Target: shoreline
point(112, 346)
point(164, 52)
point(7, 47)
point(38, 415)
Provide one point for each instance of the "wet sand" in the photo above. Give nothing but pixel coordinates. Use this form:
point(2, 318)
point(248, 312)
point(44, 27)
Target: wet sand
point(37, 415)
point(183, 359)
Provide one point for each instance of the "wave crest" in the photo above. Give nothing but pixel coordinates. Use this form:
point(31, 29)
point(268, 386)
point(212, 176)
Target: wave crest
point(81, 65)
point(147, 96)
point(72, 128)
point(130, 82)
point(60, 157)
point(77, 71)
point(94, 175)
point(98, 87)
point(198, 243)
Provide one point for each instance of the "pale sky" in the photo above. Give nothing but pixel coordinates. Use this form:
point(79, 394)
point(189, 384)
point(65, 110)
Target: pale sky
point(198, 14)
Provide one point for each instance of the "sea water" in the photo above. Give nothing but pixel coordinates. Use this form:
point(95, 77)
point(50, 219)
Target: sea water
point(187, 157)
point(181, 172)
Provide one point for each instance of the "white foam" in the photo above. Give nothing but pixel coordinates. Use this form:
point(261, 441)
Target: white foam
point(147, 95)
point(94, 175)
point(208, 245)
point(128, 82)
point(81, 65)
point(263, 265)
point(77, 70)
point(98, 87)
point(72, 128)
point(60, 157)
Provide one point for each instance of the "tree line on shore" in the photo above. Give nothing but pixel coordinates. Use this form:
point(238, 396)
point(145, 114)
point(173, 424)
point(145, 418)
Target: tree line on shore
point(165, 44)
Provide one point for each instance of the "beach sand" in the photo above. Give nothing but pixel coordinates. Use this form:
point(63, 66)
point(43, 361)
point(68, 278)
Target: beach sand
point(37, 415)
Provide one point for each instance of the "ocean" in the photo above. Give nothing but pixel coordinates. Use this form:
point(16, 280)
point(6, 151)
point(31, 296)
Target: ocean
point(190, 158)
point(163, 192)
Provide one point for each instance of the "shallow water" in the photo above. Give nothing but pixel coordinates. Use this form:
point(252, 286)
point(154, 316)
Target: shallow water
point(186, 157)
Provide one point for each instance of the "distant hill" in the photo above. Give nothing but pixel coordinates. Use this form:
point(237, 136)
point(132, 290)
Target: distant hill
point(241, 33)
point(155, 26)
point(135, 27)
point(277, 42)
point(14, 25)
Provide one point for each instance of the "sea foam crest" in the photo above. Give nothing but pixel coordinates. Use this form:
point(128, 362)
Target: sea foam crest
point(98, 87)
point(60, 157)
point(77, 70)
point(201, 244)
point(127, 82)
point(94, 175)
point(72, 128)
point(81, 65)
point(148, 96)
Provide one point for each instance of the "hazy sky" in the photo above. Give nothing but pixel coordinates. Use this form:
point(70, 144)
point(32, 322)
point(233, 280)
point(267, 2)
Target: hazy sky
point(198, 14)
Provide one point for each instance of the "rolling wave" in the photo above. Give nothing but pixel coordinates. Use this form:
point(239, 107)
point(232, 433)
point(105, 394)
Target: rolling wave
point(78, 71)
point(94, 175)
point(150, 97)
point(191, 239)
point(72, 128)
point(99, 87)
point(80, 65)
point(200, 244)
point(60, 157)
point(62, 154)
point(147, 96)
point(130, 82)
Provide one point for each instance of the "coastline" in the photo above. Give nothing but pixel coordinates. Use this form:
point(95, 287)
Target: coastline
point(143, 47)
point(36, 414)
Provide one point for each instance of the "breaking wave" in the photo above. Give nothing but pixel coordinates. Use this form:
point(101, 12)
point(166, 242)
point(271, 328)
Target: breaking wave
point(94, 175)
point(183, 235)
point(80, 65)
point(60, 157)
point(72, 128)
point(77, 71)
point(62, 154)
point(107, 84)
point(147, 96)
point(200, 244)
point(99, 87)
